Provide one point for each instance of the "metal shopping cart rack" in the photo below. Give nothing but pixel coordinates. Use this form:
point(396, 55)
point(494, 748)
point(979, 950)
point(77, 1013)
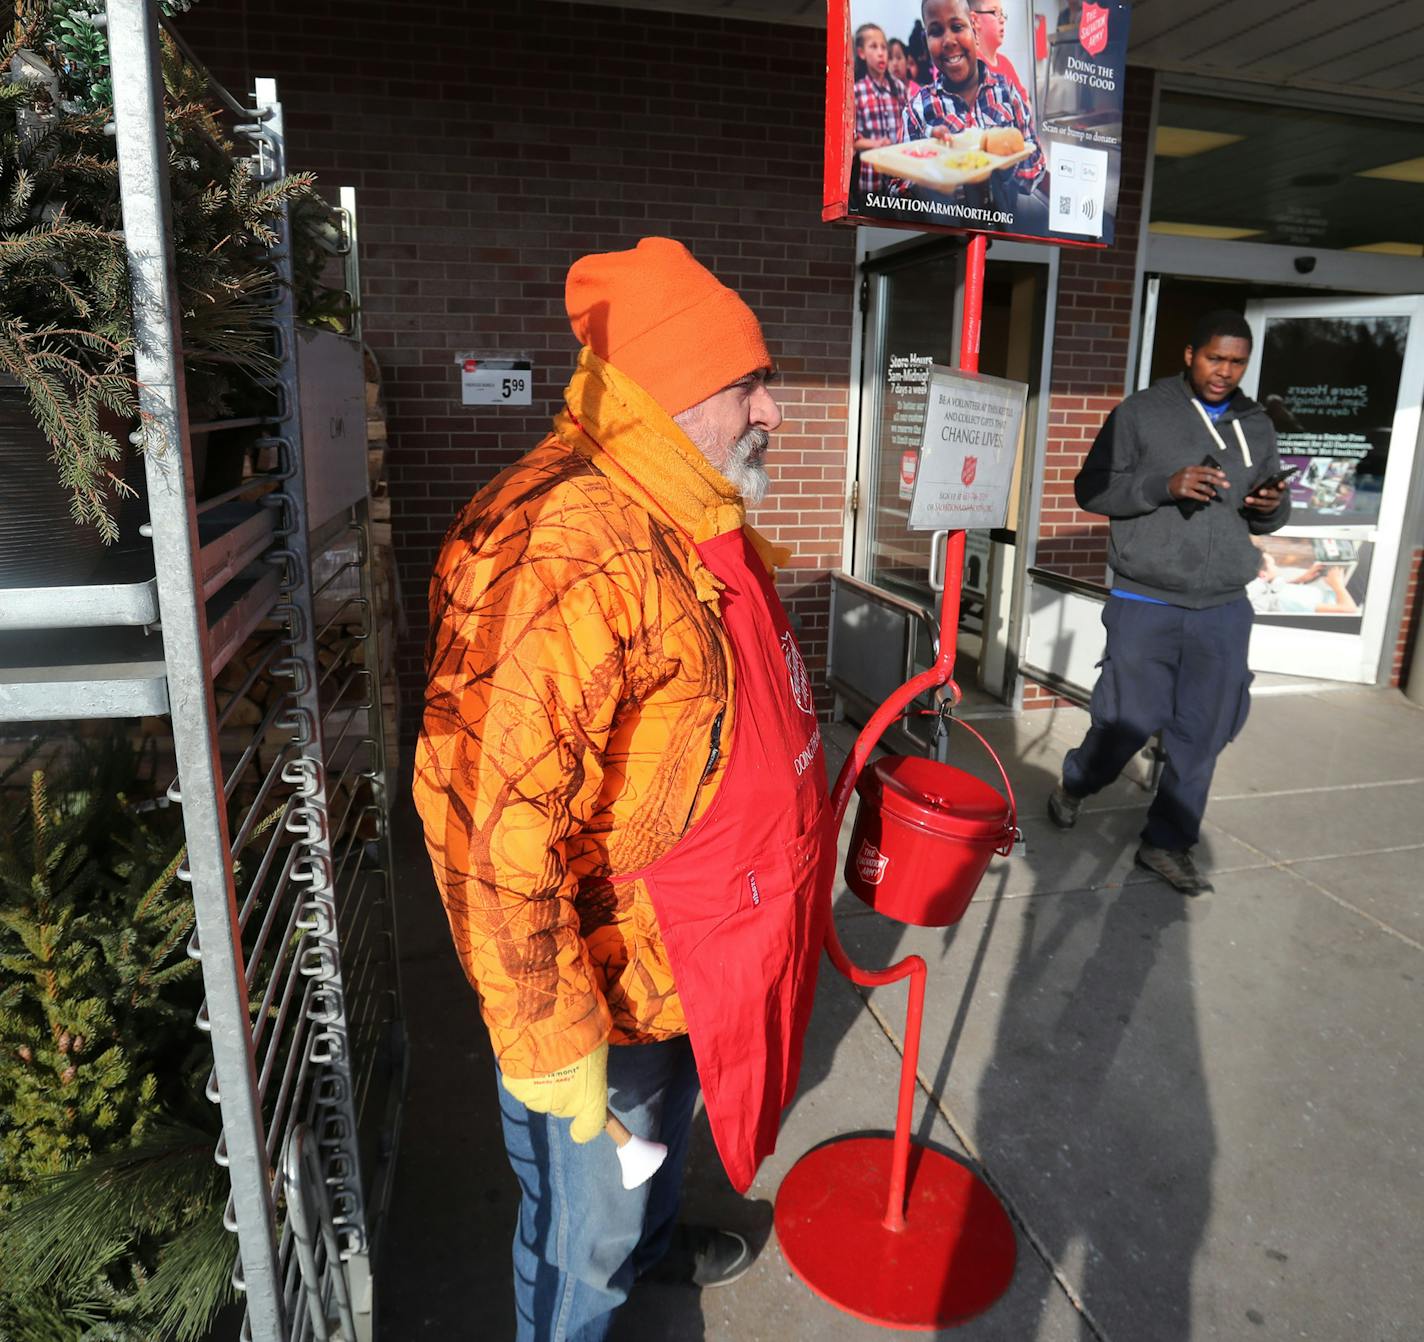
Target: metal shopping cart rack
point(270, 683)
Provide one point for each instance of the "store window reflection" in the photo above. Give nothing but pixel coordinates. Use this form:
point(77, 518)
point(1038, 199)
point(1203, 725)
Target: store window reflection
point(1232, 170)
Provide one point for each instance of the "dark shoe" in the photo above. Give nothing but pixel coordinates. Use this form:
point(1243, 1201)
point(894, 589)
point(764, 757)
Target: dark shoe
point(702, 1256)
point(1176, 868)
point(1063, 807)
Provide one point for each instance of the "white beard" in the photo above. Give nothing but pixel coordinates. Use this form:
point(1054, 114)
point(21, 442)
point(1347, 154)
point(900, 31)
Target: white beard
point(743, 467)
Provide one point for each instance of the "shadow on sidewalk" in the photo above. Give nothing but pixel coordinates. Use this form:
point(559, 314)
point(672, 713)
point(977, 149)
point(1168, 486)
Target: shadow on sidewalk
point(1062, 1104)
point(1089, 1109)
point(1060, 1031)
point(443, 1270)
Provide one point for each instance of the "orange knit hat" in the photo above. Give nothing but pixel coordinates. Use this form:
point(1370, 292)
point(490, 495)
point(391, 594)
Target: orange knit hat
point(660, 316)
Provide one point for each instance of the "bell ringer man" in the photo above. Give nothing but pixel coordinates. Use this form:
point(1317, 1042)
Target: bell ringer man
point(622, 786)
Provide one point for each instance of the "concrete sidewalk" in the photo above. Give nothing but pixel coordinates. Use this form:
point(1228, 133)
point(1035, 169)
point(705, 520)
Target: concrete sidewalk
point(1204, 1115)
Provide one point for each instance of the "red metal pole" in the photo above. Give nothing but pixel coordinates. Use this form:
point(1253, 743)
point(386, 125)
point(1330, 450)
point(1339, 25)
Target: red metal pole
point(973, 302)
point(969, 331)
point(941, 673)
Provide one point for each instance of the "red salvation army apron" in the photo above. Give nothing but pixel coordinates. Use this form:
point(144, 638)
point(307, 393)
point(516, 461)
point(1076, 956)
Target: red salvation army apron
point(739, 898)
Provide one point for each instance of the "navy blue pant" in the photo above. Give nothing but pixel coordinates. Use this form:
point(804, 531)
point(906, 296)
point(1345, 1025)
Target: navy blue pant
point(1183, 673)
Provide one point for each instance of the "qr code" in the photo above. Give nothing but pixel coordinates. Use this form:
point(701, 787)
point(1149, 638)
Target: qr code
point(1065, 204)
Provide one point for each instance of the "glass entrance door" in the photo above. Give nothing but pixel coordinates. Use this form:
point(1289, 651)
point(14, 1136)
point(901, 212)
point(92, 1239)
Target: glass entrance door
point(912, 321)
point(1342, 381)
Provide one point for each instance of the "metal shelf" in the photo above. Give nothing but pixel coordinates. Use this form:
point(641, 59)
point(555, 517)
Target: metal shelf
point(105, 673)
point(241, 606)
point(125, 592)
point(231, 537)
point(302, 996)
point(49, 675)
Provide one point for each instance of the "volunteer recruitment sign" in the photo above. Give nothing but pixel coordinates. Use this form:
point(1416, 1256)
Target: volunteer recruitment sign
point(997, 116)
point(967, 454)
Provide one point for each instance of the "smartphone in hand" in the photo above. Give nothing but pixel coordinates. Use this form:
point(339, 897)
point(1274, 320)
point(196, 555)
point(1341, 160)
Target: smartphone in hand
point(1190, 506)
point(1275, 481)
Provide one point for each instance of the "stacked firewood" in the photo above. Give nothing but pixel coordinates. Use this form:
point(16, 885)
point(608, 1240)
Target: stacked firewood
point(388, 611)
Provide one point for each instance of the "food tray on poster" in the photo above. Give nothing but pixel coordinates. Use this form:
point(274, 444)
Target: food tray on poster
point(942, 164)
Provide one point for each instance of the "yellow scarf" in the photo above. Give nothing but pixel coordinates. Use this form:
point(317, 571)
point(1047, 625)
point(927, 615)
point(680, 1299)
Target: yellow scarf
point(612, 421)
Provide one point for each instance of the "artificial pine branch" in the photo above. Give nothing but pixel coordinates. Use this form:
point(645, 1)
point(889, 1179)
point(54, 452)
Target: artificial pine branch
point(133, 1235)
point(193, 1279)
point(92, 1214)
point(82, 1014)
point(63, 265)
point(114, 1220)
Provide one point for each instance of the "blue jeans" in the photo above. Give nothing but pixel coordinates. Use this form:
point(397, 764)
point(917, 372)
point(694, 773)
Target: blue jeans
point(582, 1238)
point(1183, 673)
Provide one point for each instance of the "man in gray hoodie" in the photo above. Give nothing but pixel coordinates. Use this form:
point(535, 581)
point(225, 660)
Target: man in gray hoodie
point(1185, 470)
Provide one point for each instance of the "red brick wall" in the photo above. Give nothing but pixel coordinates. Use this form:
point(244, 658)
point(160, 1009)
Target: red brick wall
point(492, 147)
point(1091, 355)
point(1406, 647)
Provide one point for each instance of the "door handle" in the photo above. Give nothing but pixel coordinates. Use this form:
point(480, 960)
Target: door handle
point(937, 550)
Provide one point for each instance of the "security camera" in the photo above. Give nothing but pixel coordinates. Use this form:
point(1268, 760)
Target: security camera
point(1305, 264)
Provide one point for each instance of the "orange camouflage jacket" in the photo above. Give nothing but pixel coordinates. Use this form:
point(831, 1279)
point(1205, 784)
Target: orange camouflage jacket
point(578, 678)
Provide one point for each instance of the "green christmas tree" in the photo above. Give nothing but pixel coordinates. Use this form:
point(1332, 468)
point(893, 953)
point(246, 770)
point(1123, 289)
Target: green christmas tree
point(90, 942)
point(110, 1203)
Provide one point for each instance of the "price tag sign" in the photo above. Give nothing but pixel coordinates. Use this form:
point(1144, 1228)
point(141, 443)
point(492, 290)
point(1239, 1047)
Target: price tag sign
point(495, 379)
point(971, 439)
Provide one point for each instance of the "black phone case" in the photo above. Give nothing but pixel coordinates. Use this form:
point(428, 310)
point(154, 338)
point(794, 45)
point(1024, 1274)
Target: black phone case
point(1189, 507)
point(1277, 480)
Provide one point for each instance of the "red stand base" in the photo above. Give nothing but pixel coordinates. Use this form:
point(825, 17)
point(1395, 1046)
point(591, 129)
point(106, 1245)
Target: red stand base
point(953, 1259)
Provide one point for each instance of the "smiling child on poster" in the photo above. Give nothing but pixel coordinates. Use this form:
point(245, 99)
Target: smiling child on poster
point(967, 93)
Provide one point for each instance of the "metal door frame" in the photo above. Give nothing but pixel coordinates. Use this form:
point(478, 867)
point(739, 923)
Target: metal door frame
point(878, 252)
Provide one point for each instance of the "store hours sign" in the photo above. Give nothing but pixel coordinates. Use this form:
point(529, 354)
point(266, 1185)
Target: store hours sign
point(971, 438)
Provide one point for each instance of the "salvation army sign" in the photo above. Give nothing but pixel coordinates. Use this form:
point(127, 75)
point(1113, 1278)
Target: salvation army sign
point(1002, 119)
point(1093, 29)
point(971, 439)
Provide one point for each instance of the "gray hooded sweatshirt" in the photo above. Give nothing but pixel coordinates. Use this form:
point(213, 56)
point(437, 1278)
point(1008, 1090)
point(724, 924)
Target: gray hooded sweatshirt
point(1193, 555)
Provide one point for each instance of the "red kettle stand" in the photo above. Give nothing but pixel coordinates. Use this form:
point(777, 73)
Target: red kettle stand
point(885, 1229)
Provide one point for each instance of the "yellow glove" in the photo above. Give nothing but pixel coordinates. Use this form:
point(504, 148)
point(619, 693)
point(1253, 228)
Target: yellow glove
point(579, 1092)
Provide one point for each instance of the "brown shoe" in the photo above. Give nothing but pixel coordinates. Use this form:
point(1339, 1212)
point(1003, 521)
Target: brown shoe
point(1063, 807)
point(1174, 867)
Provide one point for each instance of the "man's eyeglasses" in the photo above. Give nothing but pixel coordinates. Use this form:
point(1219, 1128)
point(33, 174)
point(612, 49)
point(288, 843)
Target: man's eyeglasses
point(997, 13)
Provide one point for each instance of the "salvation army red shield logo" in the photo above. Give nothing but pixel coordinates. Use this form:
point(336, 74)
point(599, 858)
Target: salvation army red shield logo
point(969, 469)
point(1093, 28)
point(870, 863)
point(796, 671)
